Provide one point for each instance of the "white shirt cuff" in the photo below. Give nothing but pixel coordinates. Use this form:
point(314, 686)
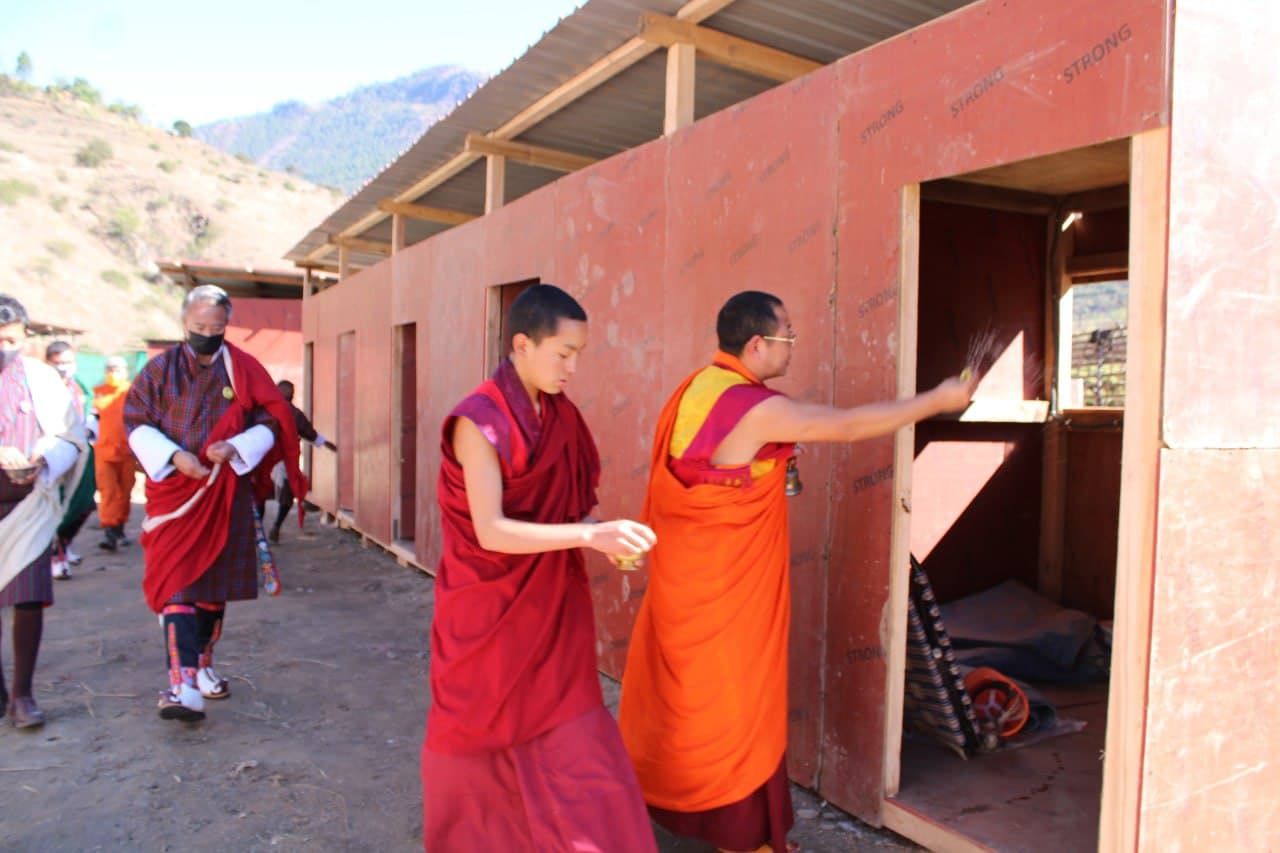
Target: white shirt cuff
point(59, 456)
point(154, 450)
point(251, 445)
point(320, 441)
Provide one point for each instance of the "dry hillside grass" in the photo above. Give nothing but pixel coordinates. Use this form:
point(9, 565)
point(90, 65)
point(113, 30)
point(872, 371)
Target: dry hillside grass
point(78, 243)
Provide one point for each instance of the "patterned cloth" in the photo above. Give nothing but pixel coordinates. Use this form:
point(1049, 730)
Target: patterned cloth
point(184, 400)
point(19, 428)
point(936, 703)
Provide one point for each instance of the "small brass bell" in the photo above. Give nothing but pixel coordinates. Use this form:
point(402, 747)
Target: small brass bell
point(794, 486)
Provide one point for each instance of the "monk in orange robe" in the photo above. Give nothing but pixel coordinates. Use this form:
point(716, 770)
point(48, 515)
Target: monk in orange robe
point(704, 695)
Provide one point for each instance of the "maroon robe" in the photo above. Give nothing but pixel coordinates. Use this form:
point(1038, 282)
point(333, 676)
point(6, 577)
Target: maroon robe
point(520, 752)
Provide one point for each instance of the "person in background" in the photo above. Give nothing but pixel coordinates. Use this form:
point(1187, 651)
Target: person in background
point(284, 492)
point(62, 358)
point(42, 448)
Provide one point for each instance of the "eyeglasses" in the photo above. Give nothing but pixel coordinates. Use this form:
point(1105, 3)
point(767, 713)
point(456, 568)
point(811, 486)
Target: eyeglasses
point(790, 340)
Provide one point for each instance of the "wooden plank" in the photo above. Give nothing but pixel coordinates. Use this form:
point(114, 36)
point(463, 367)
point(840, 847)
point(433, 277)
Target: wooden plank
point(904, 443)
point(1100, 264)
point(495, 183)
point(681, 76)
point(724, 49)
point(530, 155)
point(360, 244)
point(424, 212)
point(1093, 201)
point(997, 411)
point(600, 72)
point(980, 195)
point(928, 833)
point(1053, 476)
point(344, 263)
point(397, 232)
point(1140, 459)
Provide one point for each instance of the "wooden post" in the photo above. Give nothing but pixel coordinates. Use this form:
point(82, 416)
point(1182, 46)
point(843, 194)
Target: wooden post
point(1053, 489)
point(681, 70)
point(1123, 769)
point(904, 451)
point(344, 263)
point(495, 182)
point(397, 232)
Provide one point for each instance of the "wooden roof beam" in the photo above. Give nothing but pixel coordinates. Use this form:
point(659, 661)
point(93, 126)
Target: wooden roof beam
point(359, 244)
point(724, 49)
point(425, 212)
point(601, 71)
point(530, 155)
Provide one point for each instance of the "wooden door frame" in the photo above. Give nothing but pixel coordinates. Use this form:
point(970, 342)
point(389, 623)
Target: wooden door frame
point(1119, 822)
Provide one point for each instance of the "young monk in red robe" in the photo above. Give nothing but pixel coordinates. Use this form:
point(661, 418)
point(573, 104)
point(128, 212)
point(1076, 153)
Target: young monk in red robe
point(704, 697)
point(520, 752)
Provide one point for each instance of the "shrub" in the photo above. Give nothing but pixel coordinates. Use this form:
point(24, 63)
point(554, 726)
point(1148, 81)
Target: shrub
point(95, 152)
point(129, 111)
point(183, 128)
point(154, 146)
point(115, 277)
point(8, 146)
point(14, 190)
point(61, 175)
point(168, 166)
point(123, 223)
point(60, 249)
point(82, 90)
point(58, 202)
point(288, 185)
point(244, 158)
point(222, 205)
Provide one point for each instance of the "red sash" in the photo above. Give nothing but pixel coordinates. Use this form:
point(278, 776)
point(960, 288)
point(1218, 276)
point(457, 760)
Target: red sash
point(181, 549)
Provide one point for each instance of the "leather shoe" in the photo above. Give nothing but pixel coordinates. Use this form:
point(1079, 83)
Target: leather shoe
point(24, 713)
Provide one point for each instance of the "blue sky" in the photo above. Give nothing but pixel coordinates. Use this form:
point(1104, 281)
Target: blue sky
point(209, 60)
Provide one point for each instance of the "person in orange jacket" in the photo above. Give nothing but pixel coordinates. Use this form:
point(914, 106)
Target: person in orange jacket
point(114, 467)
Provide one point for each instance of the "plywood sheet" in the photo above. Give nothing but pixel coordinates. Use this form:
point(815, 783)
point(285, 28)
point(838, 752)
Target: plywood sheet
point(1222, 366)
point(1215, 640)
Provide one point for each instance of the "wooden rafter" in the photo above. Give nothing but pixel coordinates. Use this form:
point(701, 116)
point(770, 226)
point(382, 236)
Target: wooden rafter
point(600, 72)
point(424, 212)
point(530, 155)
point(724, 49)
point(359, 244)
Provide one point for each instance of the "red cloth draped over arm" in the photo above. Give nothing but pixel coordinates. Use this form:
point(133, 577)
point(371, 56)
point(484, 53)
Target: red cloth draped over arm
point(180, 549)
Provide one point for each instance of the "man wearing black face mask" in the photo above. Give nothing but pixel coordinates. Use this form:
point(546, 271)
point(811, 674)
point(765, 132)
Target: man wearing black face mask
point(207, 423)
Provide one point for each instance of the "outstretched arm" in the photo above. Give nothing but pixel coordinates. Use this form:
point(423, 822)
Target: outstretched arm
point(483, 476)
point(782, 420)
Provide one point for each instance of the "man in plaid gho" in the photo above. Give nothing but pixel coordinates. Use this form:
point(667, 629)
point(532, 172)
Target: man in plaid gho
point(207, 423)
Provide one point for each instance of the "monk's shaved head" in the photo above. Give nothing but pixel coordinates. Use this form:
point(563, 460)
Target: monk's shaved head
point(537, 312)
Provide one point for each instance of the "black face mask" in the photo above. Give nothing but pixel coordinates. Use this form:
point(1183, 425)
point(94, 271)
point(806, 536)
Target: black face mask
point(8, 357)
point(204, 344)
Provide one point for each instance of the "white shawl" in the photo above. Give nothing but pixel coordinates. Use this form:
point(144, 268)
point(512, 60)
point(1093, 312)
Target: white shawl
point(26, 532)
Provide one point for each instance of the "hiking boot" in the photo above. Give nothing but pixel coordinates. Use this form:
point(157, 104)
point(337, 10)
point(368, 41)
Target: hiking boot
point(110, 539)
point(121, 538)
point(183, 702)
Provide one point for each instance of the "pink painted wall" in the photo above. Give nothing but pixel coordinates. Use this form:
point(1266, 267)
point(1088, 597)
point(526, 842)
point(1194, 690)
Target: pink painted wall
point(796, 192)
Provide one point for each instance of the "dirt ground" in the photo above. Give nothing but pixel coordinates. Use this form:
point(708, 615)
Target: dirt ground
point(317, 748)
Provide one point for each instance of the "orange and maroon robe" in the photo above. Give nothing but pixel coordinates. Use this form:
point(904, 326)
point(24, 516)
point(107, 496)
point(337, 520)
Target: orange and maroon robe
point(704, 697)
point(520, 752)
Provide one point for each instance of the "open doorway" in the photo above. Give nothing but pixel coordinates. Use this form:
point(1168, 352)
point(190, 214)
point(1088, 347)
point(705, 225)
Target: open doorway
point(1008, 557)
point(405, 426)
point(347, 424)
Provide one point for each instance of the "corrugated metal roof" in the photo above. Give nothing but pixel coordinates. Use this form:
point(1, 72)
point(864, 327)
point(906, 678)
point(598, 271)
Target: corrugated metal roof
point(619, 114)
